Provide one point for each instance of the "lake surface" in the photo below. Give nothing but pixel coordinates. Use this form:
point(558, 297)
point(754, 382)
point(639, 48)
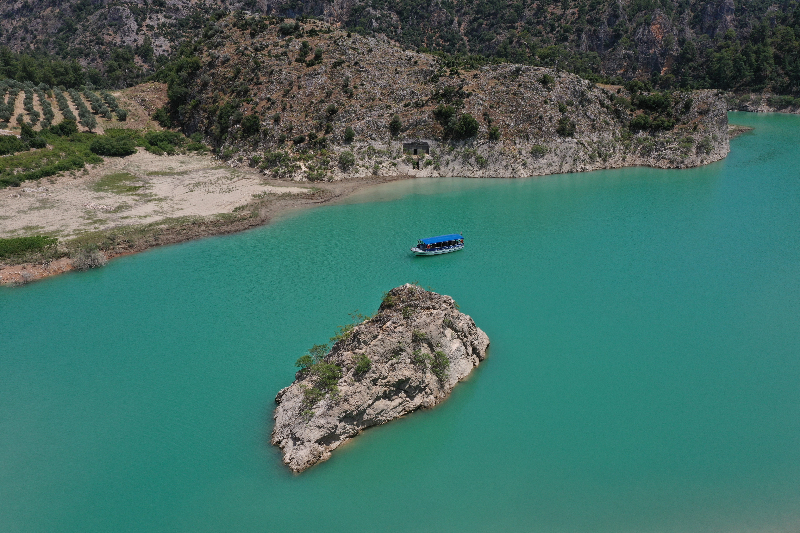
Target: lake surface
point(643, 376)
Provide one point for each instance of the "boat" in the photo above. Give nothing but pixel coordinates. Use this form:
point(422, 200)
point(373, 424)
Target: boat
point(443, 244)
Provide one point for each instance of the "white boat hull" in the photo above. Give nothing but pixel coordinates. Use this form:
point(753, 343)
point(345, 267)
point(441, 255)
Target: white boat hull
point(437, 251)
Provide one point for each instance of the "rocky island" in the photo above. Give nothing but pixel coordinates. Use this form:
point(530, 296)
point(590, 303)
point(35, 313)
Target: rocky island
point(408, 356)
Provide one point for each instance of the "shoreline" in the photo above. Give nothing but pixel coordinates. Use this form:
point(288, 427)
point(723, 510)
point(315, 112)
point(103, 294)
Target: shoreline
point(258, 213)
point(128, 240)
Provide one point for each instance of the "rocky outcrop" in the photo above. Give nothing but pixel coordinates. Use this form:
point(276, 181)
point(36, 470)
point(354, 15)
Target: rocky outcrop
point(408, 356)
point(527, 120)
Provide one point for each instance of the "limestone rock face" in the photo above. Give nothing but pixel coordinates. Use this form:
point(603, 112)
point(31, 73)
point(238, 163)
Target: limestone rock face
point(419, 345)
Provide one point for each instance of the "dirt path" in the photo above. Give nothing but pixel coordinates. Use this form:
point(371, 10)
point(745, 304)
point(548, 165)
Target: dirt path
point(37, 106)
point(58, 117)
point(19, 107)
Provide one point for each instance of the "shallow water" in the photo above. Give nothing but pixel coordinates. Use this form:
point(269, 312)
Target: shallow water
point(643, 373)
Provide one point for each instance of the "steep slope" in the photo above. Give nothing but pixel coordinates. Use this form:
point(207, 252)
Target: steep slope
point(285, 95)
point(727, 44)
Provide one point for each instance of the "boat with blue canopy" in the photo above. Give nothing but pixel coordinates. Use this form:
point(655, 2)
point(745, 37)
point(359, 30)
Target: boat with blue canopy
point(442, 244)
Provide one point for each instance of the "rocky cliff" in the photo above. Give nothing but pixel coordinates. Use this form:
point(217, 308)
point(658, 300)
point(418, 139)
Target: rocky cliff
point(408, 356)
point(282, 96)
point(688, 43)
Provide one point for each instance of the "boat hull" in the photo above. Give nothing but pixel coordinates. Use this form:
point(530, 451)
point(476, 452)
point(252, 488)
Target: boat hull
point(437, 251)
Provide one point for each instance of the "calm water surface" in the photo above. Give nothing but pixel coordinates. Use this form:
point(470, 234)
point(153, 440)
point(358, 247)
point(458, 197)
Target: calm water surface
point(644, 372)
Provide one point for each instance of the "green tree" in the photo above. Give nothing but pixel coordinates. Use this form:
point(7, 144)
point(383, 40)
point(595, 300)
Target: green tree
point(395, 125)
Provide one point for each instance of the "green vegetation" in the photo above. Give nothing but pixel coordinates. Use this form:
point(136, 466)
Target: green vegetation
point(64, 128)
point(61, 147)
point(363, 364)
point(538, 151)
point(9, 144)
point(163, 142)
point(18, 246)
point(395, 125)
point(388, 300)
point(454, 125)
point(440, 364)
point(349, 134)
point(418, 357)
point(119, 183)
point(57, 154)
point(113, 146)
point(63, 105)
point(565, 127)
point(325, 376)
point(251, 125)
point(347, 160)
point(40, 67)
point(84, 115)
point(761, 52)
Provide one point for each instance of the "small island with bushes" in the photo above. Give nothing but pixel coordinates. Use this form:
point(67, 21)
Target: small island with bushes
point(408, 356)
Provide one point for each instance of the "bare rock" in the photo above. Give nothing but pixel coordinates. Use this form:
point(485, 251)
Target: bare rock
point(408, 356)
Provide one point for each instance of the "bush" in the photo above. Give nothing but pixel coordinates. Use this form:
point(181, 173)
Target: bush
point(640, 122)
point(349, 135)
point(363, 364)
point(122, 114)
point(287, 28)
point(658, 102)
point(494, 133)
point(26, 132)
point(547, 80)
point(455, 127)
point(299, 139)
point(37, 142)
point(347, 160)
point(538, 151)
point(162, 117)
point(64, 128)
point(113, 146)
point(466, 127)
point(395, 125)
point(565, 127)
point(159, 142)
point(9, 144)
point(251, 125)
point(440, 364)
point(30, 137)
point(22, 245)
point(87, 258)
point(443, 113)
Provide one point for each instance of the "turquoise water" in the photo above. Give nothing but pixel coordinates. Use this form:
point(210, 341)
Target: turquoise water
point(643, 374)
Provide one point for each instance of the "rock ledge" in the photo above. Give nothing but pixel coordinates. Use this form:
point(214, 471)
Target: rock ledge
point(418, 347)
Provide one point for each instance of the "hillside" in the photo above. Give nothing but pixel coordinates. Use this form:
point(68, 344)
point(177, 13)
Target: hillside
point(726, 44)
point(283, 96)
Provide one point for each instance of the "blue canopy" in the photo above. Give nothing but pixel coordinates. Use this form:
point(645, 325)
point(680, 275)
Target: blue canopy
point(442, 238)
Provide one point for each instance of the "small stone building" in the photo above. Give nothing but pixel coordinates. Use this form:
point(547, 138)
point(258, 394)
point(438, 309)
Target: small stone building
point(416, 148)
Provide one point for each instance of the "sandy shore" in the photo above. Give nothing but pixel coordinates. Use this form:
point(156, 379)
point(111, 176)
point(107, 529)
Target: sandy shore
point(131, 204)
